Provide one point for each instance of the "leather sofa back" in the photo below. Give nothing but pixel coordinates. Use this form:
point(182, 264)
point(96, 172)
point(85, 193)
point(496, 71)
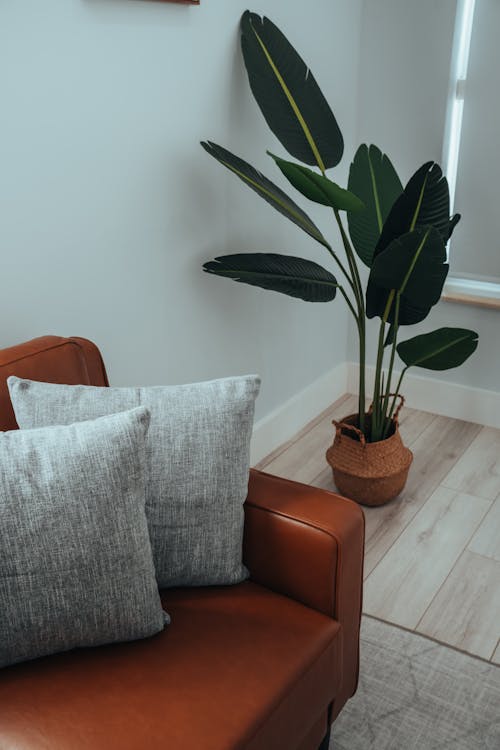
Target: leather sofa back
point(52, 359)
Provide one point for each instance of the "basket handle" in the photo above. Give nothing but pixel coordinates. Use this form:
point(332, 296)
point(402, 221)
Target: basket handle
point(396, 413)
point(401, 404)
point(339, 426)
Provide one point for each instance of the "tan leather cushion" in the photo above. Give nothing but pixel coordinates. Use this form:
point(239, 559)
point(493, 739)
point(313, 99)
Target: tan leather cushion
point(239, 667)
point(52, 359)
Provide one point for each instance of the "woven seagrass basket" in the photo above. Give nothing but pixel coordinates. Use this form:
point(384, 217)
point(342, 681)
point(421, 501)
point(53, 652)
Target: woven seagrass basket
point(370, 473)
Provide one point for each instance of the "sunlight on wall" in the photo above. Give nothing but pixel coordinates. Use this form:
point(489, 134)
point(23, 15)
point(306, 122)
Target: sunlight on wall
point(458, 76)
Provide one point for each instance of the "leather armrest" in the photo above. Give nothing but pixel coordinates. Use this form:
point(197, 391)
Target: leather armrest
point(307, 543)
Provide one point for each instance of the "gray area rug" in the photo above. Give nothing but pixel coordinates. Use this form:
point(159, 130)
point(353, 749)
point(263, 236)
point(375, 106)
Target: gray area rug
point(415, 694)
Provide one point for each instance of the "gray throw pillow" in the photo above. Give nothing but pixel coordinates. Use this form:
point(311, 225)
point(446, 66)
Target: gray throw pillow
point(198, 455)
point(76, 567)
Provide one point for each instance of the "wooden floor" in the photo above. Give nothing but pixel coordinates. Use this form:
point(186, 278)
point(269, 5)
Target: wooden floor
point(432, 559)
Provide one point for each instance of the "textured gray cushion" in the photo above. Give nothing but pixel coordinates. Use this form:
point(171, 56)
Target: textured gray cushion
point(76, 567)
point(197, 450)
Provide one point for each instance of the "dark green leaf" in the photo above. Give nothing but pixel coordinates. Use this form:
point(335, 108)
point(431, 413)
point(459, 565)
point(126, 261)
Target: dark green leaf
point(265, 188)
point(453, 223)
point(424, 202)
point(295, 277)
point(288, 95)
point(390, 335)
point(413, 265)
point(373, 178)
point(318, 188)
point(439, 350)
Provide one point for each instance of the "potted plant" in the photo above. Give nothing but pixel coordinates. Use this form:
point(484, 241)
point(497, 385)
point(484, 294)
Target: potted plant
point(399, 233)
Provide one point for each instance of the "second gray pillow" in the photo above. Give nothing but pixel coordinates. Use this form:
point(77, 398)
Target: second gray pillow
point(197, 449)
point(75, 560)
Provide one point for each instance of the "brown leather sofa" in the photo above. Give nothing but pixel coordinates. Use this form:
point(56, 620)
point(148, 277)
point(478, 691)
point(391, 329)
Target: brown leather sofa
point(263, 665)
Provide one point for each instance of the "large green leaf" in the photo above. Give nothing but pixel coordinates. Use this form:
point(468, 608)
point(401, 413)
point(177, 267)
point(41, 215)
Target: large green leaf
point(439, 350)
point(390, 335)
point(453, 223)
point(425, 201)
point(413, 266)
point(265, 188)
point(318, 188)
point(373, 178)
point(288, 95)
point(295, 277)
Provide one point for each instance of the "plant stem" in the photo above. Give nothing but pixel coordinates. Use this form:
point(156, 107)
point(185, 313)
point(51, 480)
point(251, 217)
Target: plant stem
point(386, 422)
point(376, 387)
point(350, 259)
point(352, 281)
point(362, 363)
point(349, 303)
point(376, 415)
point(343, 269)
point(398, 386)
point(358, 291)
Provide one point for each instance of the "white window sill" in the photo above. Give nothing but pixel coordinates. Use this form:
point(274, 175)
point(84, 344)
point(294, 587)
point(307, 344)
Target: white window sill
point(472, 292)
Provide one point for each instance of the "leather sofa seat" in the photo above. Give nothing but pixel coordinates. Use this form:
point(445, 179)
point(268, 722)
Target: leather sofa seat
point(265, 665)
point(217, 678)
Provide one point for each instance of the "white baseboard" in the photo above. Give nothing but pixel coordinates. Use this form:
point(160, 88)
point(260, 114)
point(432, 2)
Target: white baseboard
point(284, 422)
point(440, 397)
point(424, 393)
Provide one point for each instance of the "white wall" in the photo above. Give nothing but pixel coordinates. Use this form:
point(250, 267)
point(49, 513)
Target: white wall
point(109, 206)
point(404, 68)
point(403, 78)
point(476, 252)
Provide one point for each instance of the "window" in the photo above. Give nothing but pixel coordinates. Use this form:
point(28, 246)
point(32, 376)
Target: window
point(472, 150)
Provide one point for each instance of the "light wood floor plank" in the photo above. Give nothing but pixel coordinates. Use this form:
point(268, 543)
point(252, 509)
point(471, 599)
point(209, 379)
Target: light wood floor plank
point(466, 611)
point(436, 448)
point(404, 583)
point(337, 406)
point(486, 541)
point(305, 457)
point(412, 424)
point(325, 480)
point(478, 470)
point(496, 656)
point(435, 451)
point(410, 530)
